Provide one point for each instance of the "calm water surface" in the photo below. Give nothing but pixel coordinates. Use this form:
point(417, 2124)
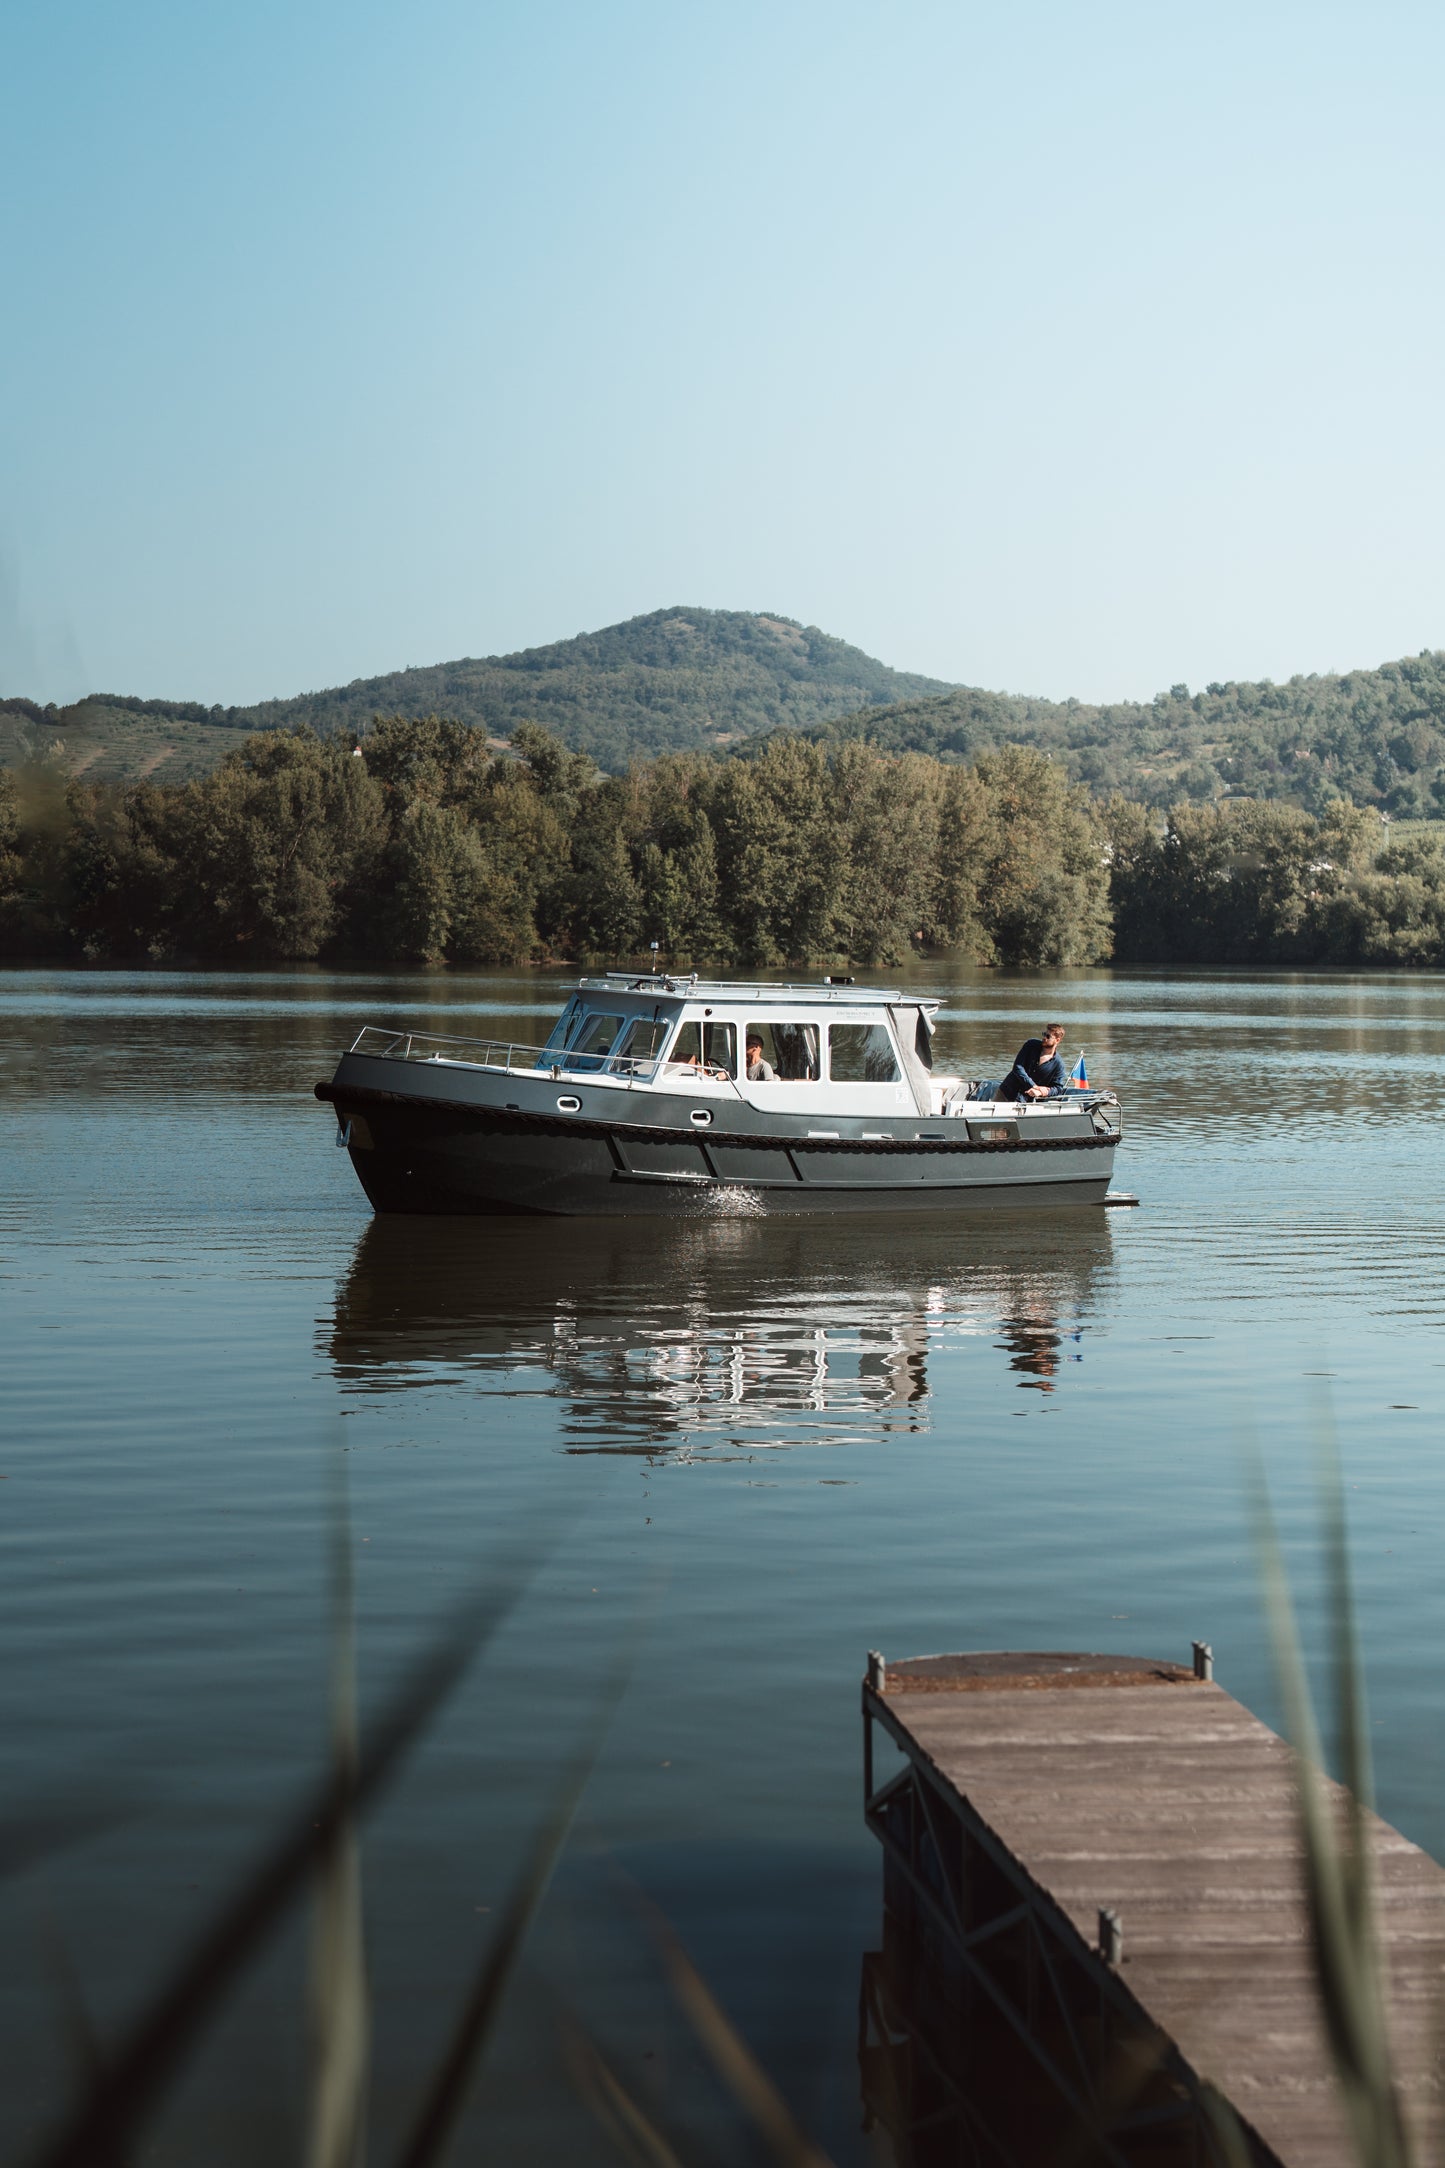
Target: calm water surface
point(755, 1448)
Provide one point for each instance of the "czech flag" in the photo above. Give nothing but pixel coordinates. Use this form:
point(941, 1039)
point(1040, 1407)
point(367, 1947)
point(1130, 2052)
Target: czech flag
point(1079, 1076)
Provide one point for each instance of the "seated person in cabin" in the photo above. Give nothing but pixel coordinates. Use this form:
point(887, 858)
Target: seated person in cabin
point(703, 1052)
point(784, 1050)
point(1037, 1069)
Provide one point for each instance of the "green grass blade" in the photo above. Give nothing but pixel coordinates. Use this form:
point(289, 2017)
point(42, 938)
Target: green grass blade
point(631, 2129)
point(732, 2058)
point(339, 2010)
point(1348, 1964)
point(99, 2129)
point(456, 2071)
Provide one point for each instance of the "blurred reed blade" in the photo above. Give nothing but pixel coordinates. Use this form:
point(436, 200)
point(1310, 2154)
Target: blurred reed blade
point(1228, 2146)
point(730, 2054)
point(99, 2130)
point(34, 1834)
point(631, 2129)
point(446, 2096)
point(1351, 1726)
point(1348, 1965)
point(81, 2040)
point(339, 2015)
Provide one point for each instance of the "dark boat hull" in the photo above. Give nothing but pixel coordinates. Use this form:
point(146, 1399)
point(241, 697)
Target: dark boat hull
point(425, 1155)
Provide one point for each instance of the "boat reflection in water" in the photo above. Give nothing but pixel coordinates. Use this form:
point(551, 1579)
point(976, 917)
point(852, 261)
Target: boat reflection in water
point(688, 1338)
point(1037, 1341)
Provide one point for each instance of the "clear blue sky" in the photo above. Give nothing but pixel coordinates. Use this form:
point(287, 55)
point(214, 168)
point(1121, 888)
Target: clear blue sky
point(1053, 348)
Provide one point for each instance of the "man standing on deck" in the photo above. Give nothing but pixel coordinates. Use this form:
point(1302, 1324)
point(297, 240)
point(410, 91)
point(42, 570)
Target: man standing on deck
point(1037, 1070)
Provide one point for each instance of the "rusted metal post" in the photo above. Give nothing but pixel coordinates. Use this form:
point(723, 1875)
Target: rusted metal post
point(877, 1675)
point(1111, 1936)
point(1203, 1660)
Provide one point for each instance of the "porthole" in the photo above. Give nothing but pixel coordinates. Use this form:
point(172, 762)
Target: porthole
point(568, 1105)
point(701, 1117)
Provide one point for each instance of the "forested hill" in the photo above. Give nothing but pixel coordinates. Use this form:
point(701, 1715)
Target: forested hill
point(728, 681)
point(677, 680)
point(1376, 736)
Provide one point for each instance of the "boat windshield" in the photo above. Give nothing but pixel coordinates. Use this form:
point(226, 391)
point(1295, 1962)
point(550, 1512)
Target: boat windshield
point(637, 1055)
point(590, 1047)
point(587, 1038)
point(562, 1033)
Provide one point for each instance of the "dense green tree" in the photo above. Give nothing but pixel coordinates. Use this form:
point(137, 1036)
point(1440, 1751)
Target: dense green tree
point(965, 840)
point(11, 864)
point(37, 821)
point(473, 844)
point(885, 815)
point(524, 854)
point(1241, 882)
point(433, 870)
point(275, 841)
point(1043, 891)
point(1390, 913)
point(779, 860)
point(679, 897)
point(605, 895)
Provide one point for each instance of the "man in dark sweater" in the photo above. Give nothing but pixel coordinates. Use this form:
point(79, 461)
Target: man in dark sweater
point(1037, 1069)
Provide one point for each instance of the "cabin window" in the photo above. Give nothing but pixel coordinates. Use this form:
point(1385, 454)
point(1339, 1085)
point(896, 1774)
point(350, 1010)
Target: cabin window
point(594, 1042)
point(790, 1050)
point(861, 1054)
point(705, 1046)
point(640, 1046)
point(562, 1031)
point(993, 1132)
point(923, 1041)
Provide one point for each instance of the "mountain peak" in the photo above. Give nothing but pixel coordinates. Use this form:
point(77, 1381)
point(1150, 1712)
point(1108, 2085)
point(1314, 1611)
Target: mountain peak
point(675, 680)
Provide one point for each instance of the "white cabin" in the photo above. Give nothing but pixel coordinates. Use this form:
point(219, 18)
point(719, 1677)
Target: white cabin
point(833, 1048)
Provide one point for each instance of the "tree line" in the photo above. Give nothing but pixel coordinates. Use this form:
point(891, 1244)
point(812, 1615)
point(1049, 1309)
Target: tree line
point(423, 844)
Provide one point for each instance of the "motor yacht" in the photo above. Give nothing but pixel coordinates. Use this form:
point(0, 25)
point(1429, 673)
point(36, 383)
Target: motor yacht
point(681, 1095)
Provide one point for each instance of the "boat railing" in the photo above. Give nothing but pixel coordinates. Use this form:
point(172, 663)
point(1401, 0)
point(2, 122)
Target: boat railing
point(505, 1054)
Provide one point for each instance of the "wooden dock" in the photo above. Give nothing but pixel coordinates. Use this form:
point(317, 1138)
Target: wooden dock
point(1092, 1916)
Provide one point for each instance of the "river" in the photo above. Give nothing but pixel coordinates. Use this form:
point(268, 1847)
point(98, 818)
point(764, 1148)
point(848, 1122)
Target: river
point(745, 1452)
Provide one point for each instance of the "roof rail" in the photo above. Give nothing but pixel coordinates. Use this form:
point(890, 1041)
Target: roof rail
point(682, 985)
